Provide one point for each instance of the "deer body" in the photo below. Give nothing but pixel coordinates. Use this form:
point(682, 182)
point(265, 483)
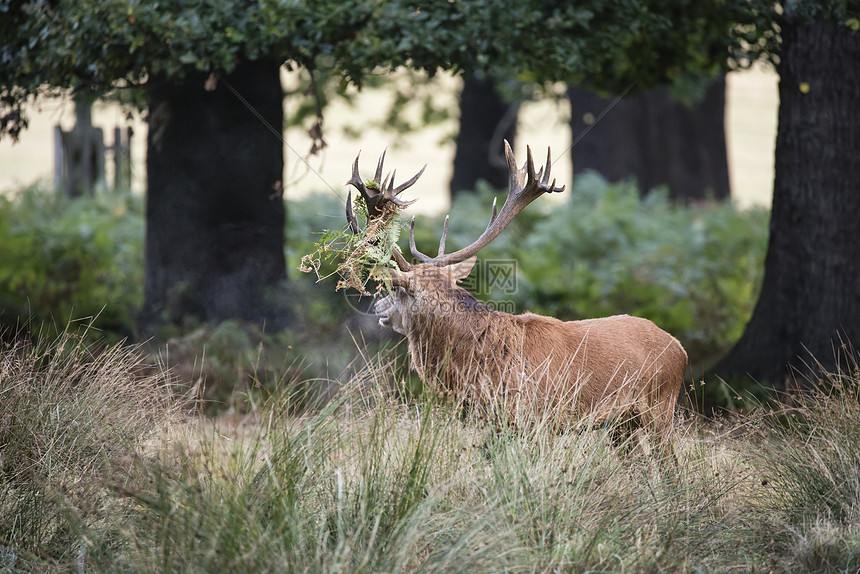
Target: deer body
point(601, 368)
point(596, 368)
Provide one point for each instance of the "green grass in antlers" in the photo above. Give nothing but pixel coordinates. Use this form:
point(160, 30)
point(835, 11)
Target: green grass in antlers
point(357, 258)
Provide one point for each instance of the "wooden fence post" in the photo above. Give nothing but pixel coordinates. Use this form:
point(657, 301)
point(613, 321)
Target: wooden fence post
point(122, 158)
point(79, 154)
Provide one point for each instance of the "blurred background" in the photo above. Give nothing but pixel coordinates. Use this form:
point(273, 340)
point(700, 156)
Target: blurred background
point(185, 385)
point(624, 248)
point(750, 131)
point(165, 168)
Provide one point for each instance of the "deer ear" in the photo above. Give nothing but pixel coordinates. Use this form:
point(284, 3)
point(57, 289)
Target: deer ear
point(461, 270)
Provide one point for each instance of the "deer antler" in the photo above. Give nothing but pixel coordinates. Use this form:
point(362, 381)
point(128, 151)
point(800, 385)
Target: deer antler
point(524, 186)
point(376, 195)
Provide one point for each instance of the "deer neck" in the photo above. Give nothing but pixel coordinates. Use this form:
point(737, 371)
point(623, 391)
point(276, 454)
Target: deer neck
point(445, 332)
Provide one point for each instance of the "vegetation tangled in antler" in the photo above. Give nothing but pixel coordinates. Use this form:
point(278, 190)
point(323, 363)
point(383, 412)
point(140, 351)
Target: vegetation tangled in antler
point(359, 256)
point(370, 253)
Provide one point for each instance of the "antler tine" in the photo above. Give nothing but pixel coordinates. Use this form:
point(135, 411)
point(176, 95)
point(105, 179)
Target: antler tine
point(530, 166)
point(550, 187)
point(401, 202)
point(378, 176)
point(444, 237)
point(524, 186)
point(415, 253)
point(402, 264)
point(514, 174)
point(545, 179)
point(385, 182)
point(355, 179)
point(409, 183)
point(350, 215)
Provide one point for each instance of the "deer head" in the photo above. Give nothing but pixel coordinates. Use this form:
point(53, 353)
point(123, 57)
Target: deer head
point(427, 287)
point(424, 291)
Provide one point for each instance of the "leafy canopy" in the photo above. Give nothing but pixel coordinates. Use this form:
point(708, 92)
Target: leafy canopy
point(99, 45)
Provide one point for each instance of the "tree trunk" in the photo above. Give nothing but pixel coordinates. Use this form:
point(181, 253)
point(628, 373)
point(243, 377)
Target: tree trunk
point(655, 139)
point(810, 299)
point(485, 120)
point(214, 211)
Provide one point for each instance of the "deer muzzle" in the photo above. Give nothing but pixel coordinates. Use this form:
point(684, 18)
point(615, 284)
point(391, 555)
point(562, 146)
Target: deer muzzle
point(382, 308)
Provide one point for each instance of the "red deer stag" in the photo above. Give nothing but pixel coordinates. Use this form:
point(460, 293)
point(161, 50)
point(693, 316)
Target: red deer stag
point(601, 368)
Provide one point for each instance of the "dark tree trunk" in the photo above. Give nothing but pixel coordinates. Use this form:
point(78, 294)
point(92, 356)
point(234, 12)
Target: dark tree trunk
point(214, 211)
point(655, 139)
point(485, 120)
point(810, 298)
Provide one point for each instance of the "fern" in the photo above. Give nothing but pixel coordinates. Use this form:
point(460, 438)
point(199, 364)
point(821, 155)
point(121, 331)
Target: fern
point(360, 257)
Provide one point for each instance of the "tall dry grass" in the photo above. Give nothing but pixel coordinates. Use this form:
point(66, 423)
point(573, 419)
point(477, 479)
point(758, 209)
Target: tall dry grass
point(371, 483)
point(74, 419)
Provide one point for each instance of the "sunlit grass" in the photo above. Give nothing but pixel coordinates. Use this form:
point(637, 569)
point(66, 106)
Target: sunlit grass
point(369, 482)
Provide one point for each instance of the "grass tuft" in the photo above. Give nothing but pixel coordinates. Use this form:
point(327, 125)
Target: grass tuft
point(74, 420)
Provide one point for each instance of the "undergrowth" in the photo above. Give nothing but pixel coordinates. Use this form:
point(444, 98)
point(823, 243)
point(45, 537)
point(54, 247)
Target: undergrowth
point(99, 476)
point(357, 255)
point(601, 250)
point(63, 259)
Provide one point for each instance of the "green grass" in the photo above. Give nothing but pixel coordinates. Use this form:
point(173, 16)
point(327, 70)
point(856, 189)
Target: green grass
point(104, 471)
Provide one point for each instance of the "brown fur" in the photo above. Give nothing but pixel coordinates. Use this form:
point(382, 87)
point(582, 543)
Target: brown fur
point(600, 368)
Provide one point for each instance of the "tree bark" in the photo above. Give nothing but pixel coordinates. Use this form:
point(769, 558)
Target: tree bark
point(214, 211)
point(809, 305)
point(485, 120)
point(655, 139)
